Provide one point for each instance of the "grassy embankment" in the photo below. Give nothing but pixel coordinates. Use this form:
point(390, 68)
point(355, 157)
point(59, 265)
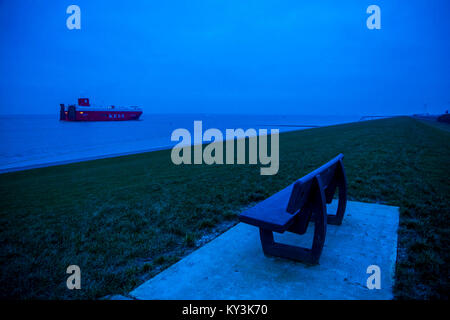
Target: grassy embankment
point(124, 219)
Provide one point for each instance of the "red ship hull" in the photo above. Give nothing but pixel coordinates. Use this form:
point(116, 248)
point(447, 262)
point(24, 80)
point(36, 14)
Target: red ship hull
point(84, 112)
point(103, 115)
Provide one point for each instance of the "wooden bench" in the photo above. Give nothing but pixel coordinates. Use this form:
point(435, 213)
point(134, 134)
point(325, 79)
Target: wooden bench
point(292, 208)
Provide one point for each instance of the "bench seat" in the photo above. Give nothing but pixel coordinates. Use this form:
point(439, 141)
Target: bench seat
point(271, 213)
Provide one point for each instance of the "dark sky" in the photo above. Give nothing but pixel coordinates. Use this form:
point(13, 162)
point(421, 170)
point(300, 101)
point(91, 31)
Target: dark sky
point(227, 56)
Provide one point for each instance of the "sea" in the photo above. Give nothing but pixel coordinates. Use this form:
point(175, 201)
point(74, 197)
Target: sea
point(30, 141)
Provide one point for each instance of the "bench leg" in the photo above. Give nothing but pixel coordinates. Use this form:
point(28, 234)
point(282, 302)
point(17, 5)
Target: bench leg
point(272, 248)
point(336, 219)
point(311, 256)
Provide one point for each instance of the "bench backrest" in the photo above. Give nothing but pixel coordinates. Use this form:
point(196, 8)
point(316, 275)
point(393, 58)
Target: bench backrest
point(301, 189)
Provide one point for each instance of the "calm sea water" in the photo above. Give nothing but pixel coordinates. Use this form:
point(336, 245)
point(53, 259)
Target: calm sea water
point(37, 140)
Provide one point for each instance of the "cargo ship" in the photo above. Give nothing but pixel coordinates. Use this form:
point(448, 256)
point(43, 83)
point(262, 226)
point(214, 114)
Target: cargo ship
point(83, 111)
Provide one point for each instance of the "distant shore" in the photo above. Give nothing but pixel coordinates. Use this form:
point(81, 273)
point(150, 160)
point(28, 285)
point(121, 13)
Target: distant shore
point(42, 141)
point(120, 154)
point(59, 163)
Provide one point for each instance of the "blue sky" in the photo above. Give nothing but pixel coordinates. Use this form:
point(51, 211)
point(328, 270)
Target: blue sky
point(227, 56)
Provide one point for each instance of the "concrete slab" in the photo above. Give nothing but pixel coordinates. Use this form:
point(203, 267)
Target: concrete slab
point(233, 265)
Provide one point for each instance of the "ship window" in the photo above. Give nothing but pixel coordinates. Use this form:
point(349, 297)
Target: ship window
point(110, 116)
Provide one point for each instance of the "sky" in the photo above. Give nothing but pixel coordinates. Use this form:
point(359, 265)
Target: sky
point(227, 56)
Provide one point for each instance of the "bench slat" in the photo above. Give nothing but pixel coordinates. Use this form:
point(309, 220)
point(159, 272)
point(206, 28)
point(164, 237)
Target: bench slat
point(271, 213)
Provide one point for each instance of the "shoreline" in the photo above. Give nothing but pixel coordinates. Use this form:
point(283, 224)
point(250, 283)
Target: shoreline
point(296, 127)
point(77, 160)
point(120, 154)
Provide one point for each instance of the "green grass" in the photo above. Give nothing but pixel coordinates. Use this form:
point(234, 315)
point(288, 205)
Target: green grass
point(437, 124)
point(124, 219)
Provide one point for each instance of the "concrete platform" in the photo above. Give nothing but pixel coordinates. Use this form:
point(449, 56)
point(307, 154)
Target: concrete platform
point(233, 266)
